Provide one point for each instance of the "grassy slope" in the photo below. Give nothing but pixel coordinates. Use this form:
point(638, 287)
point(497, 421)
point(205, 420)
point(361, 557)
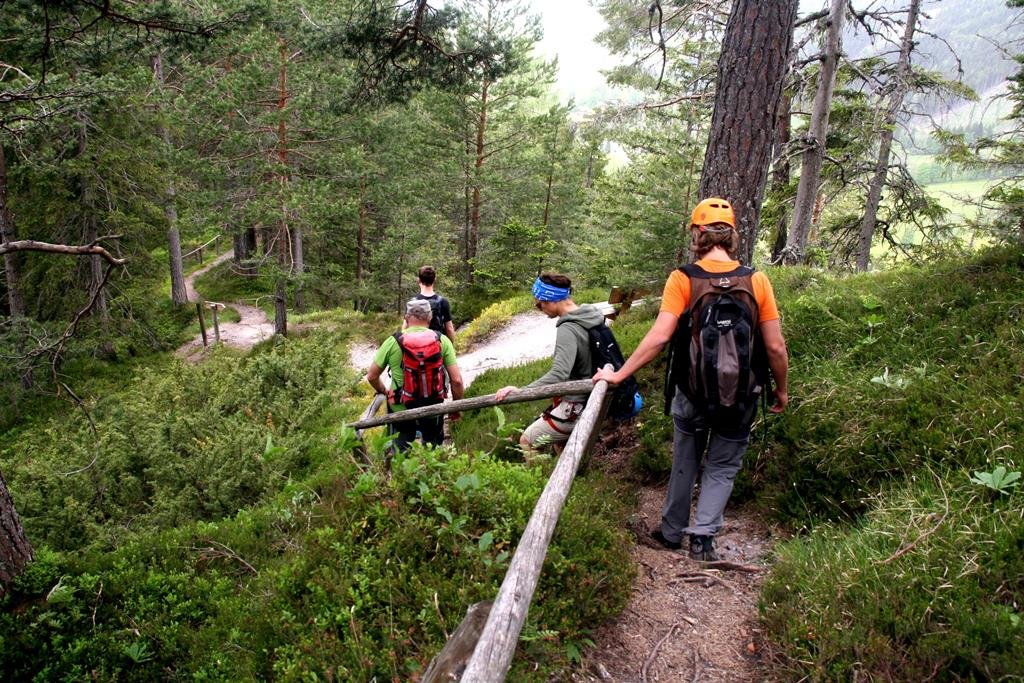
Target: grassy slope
point(910, 570)
point(216, 525)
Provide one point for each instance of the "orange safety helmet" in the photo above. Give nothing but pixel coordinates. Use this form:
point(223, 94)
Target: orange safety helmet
point(712, 210)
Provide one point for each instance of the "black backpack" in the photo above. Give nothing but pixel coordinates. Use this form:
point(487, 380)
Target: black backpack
point(435, 310)
point(717, 357)
point(626, 401)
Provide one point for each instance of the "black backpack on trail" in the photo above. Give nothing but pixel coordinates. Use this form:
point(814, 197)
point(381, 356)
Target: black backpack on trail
point(604, 349)
point(434, 300)
point(422, 368)
point(717, 357)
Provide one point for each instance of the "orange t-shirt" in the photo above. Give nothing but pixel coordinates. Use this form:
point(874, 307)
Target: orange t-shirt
point(676, 297)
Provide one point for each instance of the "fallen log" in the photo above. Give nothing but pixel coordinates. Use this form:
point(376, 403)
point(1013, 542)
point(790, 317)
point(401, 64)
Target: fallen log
point(579, 386)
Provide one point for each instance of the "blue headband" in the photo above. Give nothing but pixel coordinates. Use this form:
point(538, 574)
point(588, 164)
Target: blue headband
point(542, 291)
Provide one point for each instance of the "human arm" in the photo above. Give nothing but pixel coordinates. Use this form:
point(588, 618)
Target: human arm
point(650, 346)
point(458, 386)
point(564, 357)
point(778, 361)
point(373, 376)
point(449, 331)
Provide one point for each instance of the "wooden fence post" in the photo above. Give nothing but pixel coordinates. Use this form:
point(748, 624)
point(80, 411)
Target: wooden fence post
point(202, 322)
point(214, 309)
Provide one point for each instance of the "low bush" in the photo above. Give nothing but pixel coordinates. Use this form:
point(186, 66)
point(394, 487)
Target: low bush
point(902, 384)
point(927, 586)
point(893, 372)
point(345, 576)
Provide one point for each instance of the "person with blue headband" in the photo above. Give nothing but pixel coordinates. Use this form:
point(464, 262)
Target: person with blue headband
point(552, 295)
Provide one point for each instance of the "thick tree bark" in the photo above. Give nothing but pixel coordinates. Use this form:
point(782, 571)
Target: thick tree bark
point(814, 154)
point(751, 71)
point(178, 294)
point(902, 76)
point(15, 550)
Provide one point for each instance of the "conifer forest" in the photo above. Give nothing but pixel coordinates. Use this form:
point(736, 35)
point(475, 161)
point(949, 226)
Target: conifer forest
point(214, 214)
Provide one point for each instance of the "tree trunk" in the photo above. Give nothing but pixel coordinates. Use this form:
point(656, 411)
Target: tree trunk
point(15, 297)
point(550, 179)
point(282, 238)
point(281, 308)
point(473, 237)
point(468, 218)
point(298, 266)
point(902, 76)
point(780, 175)
point(751, 72)
point(15, 550)
point(178, 293)
point(89, 227)
point(814, 154)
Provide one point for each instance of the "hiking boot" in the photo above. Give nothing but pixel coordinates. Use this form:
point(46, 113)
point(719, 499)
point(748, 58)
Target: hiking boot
point(664, 542)
point(702, 549)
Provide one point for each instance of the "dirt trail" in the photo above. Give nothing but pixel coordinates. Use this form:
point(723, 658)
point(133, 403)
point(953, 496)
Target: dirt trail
point(684, 621)
point(252, 328)
point(526, 337)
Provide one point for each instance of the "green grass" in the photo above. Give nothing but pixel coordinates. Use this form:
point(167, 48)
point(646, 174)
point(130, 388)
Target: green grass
point(902, 384)
point(218, 524)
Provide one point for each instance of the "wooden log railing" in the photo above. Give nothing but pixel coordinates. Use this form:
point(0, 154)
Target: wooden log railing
point(489, 650)
point(199, 250)
point(579, 386)
point(371, 410)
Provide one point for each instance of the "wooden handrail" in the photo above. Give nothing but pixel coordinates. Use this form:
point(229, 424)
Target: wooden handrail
point(201, 247)
point(579, 386)
point(371, 410)
point(493, 652)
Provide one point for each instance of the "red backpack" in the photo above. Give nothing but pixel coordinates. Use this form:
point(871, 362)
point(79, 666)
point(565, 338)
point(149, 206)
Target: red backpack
point(422, 368)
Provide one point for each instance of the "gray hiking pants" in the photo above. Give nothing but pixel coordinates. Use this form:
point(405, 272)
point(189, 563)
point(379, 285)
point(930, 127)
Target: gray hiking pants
point(724, 448)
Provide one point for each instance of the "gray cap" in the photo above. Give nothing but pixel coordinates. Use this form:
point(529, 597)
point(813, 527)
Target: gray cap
point(418, 309)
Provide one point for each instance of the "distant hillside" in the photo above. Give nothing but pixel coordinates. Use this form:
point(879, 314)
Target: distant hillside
point(973, 28)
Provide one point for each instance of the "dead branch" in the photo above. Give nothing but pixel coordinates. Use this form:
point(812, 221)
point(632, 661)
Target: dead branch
point(654, 651)
point(733, 566)
point(91, 249)
point(217, 549)
point(705, 577)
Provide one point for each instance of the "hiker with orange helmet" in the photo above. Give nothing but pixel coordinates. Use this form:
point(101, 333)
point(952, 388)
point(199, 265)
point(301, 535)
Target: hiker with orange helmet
point(726, 349)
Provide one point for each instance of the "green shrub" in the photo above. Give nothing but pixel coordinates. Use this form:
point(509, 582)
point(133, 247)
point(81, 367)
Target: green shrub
point(929, 584)
point(892, 372)
point(345, 575)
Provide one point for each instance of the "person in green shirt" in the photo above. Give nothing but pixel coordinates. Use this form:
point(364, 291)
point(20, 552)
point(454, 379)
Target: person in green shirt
point(437, 349)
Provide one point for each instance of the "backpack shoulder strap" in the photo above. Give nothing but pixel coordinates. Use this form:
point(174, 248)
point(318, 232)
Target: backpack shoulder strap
point(693, 271)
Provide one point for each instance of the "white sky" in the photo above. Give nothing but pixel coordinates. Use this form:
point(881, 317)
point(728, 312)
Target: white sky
point(569, 30)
